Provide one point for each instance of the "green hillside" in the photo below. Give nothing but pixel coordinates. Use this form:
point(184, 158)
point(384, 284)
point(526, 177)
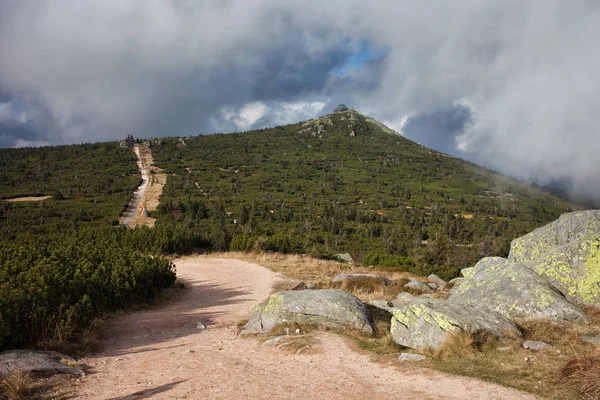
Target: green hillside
point(345, 183)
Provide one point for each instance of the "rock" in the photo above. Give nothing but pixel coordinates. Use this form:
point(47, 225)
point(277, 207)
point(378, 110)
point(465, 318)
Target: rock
point(343, 257)
point(465, 272)
point(200, 325)
point(515, 292)
point(433, 285)
point(591, 339)
point(535, 346)
point(358, 277)
point(411, 357)
point(404, 299)
point(324, 308)
point(437, 280)
point(456, 281)
point(569, 228)
point(417, 285)
point(567, 253)
point(304, 286)
point(381, 304)
point(427, 324)
point(340, 108)
point(504, 348)
point(42, 363)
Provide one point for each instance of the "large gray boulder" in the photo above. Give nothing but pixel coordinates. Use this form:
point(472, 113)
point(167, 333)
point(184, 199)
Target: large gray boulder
point(340, 278)
point(567, 253)
point(428, 324)
point(324, 308)
point(42, 363)
point(568, 228)
point(515, 292)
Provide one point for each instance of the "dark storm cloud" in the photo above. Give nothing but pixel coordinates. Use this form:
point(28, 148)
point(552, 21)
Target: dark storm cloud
point(527, 72)
point(439, 129)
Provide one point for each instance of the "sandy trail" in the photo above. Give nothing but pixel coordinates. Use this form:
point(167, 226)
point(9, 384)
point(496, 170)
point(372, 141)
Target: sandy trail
point(25, 199)
point(161, 354)
point(148, 193)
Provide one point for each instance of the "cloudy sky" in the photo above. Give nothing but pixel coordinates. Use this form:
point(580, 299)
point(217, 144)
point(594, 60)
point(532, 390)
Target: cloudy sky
point(513, 85)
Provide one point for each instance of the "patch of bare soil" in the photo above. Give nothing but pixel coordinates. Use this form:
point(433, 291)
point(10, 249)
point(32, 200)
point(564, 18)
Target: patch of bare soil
point(162, 353)
point(23, 199)
point(145, 198)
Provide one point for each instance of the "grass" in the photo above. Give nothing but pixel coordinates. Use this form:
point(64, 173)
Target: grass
point(561, 372)
point(22, 386)
point(582, 375)
point(294, 268)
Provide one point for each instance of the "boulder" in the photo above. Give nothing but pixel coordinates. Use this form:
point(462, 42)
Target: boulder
point(381, 305)
point(568, 228)
point(41, 363)
point(567, 253)
point(535, 345)
point(404, 299)
point(340, 108)
point(304, 286)
point(343, 257)
point(437, 280)
point(428, 324)
point(433, 286)
point(417, 285)
point(515, 292)
point(326, 308)
point(358, 277)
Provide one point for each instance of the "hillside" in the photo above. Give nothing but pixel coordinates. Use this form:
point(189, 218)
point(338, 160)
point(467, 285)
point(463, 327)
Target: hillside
point(345, 183)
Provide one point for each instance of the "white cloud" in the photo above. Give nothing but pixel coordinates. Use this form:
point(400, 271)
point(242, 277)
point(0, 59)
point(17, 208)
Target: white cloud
point(258, 114)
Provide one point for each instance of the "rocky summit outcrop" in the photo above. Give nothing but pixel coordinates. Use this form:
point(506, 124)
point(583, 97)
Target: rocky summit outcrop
point(515, 292)
point(42, 363)
point(567, 253)
point(427, 324)
point(326, 308)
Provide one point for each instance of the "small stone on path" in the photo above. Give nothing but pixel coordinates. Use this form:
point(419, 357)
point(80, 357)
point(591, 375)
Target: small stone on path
point(411, 357)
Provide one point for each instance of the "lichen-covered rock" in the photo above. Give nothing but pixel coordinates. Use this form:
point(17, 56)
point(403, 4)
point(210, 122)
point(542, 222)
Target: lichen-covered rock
point(569, 228)
point(567, 253)
point(339, 278)
point(514, 291)
point(325, 308)
point(574, 269)
point(417, 285)
point(427, 324)
point(44, 363)
point(437, 280)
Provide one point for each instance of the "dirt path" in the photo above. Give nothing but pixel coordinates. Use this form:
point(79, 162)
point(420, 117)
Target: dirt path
point(161, 353)
point(145, 197)
point(24, 199)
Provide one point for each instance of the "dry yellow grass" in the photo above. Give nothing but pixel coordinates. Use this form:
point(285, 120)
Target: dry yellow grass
point(582, 375)
point(296, 268)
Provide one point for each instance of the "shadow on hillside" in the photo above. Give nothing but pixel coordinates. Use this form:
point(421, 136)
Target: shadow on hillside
point(201, 302)
point(147, 393)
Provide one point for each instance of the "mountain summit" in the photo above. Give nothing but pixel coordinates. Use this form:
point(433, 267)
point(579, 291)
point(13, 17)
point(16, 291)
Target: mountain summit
point(345, 183)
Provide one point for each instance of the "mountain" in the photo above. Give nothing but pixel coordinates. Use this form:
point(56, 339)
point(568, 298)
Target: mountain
point(345, 183)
